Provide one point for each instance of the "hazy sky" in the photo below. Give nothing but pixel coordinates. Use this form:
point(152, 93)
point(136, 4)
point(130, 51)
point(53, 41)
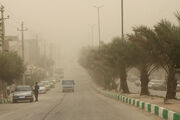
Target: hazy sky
point(68, 21)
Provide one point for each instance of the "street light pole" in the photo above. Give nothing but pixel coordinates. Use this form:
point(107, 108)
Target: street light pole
point(122, 18)
point(99, 23)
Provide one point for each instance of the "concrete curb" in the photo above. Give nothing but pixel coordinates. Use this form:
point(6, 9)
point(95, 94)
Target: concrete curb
point(154, 109)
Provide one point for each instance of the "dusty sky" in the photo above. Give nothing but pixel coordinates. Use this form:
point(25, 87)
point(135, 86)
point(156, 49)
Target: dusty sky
point(67, 22)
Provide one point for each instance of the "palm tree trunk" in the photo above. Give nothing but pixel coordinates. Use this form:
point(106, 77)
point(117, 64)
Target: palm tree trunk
point(114, 85)
point(106, 82)
point(123, 81)
point(171, 84)
point(4, 88)
point(144, 78)
point(1, 90)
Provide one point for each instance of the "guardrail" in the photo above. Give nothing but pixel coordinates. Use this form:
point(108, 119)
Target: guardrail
point(151, 108)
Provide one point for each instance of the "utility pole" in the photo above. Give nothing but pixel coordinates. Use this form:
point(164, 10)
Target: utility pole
point(92, 33)
point(51, 50)
point(99, 23)
point(122, 19)
point(3, 27)
point(37, 49)
point(45, 48)
point(2, 40)
point(22, 30)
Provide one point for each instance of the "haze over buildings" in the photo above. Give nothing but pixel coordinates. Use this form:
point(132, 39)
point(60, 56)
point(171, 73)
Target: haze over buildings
point(66, 23)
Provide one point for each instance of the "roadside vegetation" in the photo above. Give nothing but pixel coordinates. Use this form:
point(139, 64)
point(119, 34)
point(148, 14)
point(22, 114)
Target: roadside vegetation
point(146, 49)
point(12, 69)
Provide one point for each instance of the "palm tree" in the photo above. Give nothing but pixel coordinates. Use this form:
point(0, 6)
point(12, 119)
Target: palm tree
point(121, 57)
point(168, 55)
point(143, 61)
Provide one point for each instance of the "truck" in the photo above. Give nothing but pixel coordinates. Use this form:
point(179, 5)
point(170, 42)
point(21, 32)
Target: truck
point(68, 85)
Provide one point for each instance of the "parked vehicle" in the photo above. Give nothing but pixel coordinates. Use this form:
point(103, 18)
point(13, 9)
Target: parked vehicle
point(42, 88)
point(23, 93)
point(132, 78)
point(137, 83)
point(68, 85)
point(178, 88)
point(157, 85)
point(54, 81)
point(46, 84)
point(52, 85)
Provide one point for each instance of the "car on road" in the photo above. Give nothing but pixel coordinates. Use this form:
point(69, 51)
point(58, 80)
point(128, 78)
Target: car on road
point(23, 93)
point(68, 85)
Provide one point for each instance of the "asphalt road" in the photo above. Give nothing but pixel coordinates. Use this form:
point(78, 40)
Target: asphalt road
point(83, 104)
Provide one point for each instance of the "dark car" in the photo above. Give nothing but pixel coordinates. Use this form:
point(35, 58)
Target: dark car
point(23, 93)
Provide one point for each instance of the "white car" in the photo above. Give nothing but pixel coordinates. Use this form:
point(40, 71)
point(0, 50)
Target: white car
point(23, 93)
point(42, 89)
point(157, 84)
point(46, 84)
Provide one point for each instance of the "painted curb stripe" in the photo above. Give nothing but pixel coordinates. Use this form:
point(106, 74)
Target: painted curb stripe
point(137, 103)
point(170, 115)
point(126, 100)
point(152, 108)
point(149, 107)
point(156, 110)
point(143, 105)
point(134, 101)
point(176, 116)
point(165, 114)
point(129, 100)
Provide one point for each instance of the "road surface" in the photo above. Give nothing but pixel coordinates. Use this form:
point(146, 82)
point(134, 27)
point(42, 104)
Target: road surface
point(84, 104)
